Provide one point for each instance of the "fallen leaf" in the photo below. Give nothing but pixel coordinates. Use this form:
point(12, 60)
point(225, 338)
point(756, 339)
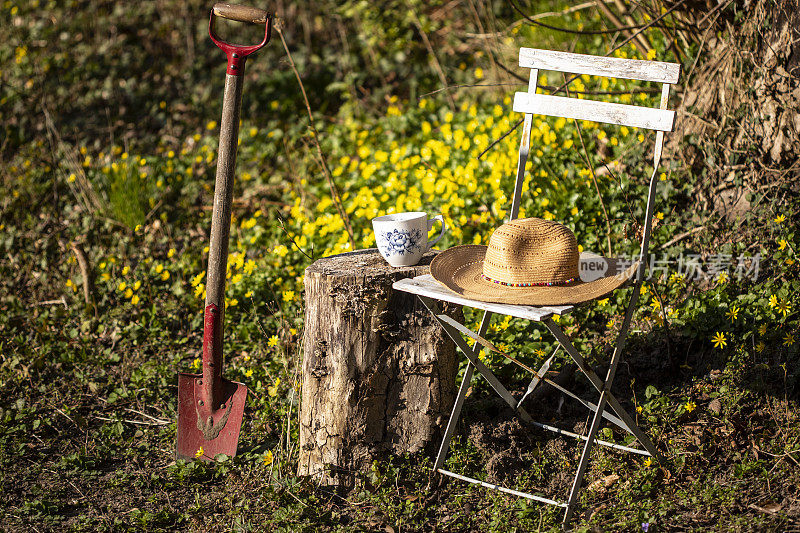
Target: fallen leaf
point(715, 406)
point(768, 507)
point(603, 483)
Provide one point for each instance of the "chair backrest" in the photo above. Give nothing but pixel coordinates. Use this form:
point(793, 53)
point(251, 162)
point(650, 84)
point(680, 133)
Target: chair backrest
point(659, 119)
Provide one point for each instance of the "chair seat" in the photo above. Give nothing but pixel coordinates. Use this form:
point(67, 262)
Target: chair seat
point(427, 286)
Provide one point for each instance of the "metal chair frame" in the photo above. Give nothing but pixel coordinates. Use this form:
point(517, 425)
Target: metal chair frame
point(430, 292)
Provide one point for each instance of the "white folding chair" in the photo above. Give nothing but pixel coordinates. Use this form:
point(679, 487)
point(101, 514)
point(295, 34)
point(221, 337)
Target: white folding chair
point(430, 291)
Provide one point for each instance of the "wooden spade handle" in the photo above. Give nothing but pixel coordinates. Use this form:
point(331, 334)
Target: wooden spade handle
point(223, 192)
point(240, 13)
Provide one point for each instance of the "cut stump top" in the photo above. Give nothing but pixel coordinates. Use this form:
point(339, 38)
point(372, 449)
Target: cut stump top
point(367, 263)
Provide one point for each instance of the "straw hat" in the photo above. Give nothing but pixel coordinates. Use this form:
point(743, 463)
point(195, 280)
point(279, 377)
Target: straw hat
point(529, 261)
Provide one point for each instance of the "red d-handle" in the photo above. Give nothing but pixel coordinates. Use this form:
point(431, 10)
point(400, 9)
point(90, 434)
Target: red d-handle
point(238, 53)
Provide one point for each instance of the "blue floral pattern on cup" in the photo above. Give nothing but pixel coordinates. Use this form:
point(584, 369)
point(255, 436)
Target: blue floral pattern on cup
point(400, 242)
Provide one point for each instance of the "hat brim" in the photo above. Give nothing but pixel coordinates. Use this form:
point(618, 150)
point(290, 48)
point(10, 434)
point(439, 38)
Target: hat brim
point(460, 269)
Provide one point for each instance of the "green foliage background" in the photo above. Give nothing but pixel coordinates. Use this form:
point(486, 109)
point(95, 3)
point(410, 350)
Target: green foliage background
point(109, 129)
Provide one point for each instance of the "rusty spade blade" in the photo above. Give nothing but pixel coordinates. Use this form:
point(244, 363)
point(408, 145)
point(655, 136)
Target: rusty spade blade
point(212, 432)
point(210, 408)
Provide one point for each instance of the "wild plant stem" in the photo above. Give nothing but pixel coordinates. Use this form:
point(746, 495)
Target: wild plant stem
point(315, 134)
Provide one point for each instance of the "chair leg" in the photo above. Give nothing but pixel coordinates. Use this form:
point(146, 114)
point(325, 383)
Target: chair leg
point(433, 308)
point(598, 384)
point(454, 416)
point(498, 387)
point(472, 355)
point(584, 460)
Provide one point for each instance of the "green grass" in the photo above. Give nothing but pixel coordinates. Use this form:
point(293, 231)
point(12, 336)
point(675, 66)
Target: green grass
point(87, 421)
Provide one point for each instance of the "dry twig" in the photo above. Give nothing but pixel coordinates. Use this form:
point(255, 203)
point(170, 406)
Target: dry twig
point(337, 201)
point(83, 265)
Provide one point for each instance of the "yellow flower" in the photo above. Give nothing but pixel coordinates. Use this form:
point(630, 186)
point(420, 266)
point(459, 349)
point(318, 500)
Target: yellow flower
point(677, 278)
point(762, 329)
point(196, 364)
point(248, 294)
point(655, 304)
point(200, 290)
point(784, 307)
point(610, 324)
point(128, 293)
point(651, 54)
point(72, 178)
point(199, 453)
point(211, 124)
point(198, 278)
point(479, 73)
point(788, 340)
point(719, 340)
point(689, 406)
point(165, 275)
point(782, 244)
point(643, 289)
point(136, 285)
point(159, 268)
point(760, 346)
point(122, 286)
point(780, 218)
point(171, 252)
point(125, 270)
point(135, 299)
point(722, 277)
point(733, 313)
point(639, 409)
point(273, 341)
point(288, 296)
point(648, 462)
point(268, 458)
point(773, 300)
point(272, 390)
point(660, 215)
point(604, 301)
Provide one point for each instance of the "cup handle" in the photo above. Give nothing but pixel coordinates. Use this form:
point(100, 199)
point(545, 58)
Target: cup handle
point(440, 218)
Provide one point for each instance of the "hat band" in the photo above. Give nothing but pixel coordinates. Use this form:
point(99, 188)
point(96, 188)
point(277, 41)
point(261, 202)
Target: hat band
point(545, 284)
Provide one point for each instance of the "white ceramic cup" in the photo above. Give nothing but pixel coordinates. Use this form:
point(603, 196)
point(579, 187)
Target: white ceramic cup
point(402, 238)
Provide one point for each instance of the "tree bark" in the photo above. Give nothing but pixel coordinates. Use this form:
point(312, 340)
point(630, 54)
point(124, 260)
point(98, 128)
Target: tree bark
point(378, 372)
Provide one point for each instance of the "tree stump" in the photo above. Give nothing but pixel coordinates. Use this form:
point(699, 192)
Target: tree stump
point(378, 372)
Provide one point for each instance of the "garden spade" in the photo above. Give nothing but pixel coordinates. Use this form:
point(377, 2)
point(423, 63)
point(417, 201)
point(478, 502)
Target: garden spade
point(210, 408)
